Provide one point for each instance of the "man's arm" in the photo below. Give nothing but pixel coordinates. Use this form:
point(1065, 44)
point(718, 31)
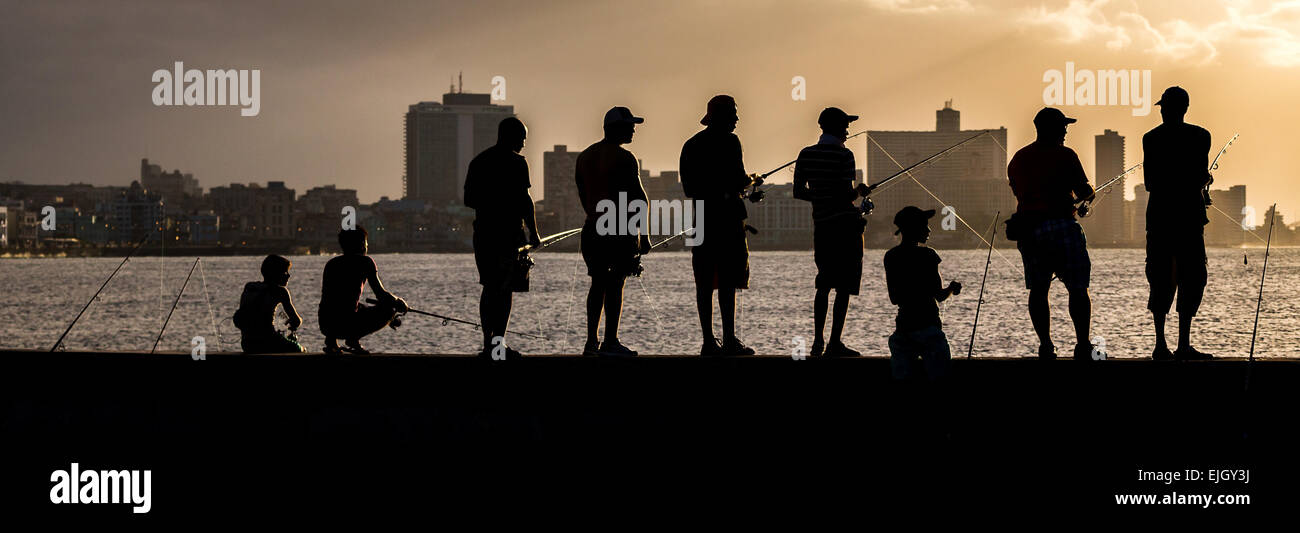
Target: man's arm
point(286, 300)
point(1204, 147)
point(1079, 179)
point(471, 177)
point(530, 219)
point(382, 294)
point(740, 180)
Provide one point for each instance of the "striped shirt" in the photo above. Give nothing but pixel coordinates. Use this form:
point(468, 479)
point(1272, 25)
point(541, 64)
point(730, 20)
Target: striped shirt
point(824, 175)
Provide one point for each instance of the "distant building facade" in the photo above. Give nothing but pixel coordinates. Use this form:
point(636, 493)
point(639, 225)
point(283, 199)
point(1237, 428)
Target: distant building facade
point(972, 179)
point(442, 138)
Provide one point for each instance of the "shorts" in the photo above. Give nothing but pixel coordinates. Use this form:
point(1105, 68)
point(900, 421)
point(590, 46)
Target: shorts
point(606, 255)
point(723, 260)
point(498, 264)
point(1176, 262)
point(929, 345)
point(837, 251)
point(1055, 247)
point(269, 342)
point(366, 320)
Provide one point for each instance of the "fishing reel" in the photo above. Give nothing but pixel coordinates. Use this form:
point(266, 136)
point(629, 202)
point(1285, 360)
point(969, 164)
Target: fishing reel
point(755, 195)
point(1084, 209)
point(1205, 193)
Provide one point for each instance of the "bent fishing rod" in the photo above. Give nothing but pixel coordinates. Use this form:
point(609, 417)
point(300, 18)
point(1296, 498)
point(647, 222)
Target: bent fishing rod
point(101, 289)
point(1214, 165)
point(446, 320)
point(980, 301)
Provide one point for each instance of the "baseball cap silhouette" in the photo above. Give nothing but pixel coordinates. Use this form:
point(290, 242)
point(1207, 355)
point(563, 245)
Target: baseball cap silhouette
point(1175, 96)
point(834, 116)
point(1051, 116)
point(911, 216)
point(619, 114)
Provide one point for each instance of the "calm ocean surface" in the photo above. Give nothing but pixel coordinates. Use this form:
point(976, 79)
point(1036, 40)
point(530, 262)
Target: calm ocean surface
point(659, 314)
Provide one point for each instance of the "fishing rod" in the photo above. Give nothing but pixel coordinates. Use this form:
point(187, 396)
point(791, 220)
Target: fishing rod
point(868, 206)
point(101, 289)
point(978, 302)
point(751, 229)
point(174, 304)
point(755, 194)
point(1214, 165)
point(550, 239)
point(1260, 300)
point(446, 320)
point(1083, 205)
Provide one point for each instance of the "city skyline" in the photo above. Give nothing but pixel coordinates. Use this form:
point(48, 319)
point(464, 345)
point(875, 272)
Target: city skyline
point(333, 99)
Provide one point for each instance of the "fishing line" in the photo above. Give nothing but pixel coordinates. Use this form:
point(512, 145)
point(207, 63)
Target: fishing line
point(941, 202)
point(212, 317)
point(1235, 222)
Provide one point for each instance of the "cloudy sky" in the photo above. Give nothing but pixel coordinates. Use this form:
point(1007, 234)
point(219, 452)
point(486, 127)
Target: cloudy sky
point(338, 76)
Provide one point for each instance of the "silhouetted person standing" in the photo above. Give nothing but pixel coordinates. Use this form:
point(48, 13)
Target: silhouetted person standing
point(496, 187)
point(1176, 165)
point(823, 175)
point(603, 171)
point(1048, 179)
point(713, 172)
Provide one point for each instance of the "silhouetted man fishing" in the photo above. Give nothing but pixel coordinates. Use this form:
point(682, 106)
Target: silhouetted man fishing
point(1048, 179)
point(1176, 155)
point(604, 171)
point(823, 175)
point(496, 187)
point(713, 171)
point(342, 315)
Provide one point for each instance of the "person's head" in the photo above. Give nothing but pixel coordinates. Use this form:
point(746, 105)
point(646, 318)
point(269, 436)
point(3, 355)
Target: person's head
point(835, 122)
point(620, 124)
point(1173, 104)
point(353, 241)
point(1050, 123)
point(511, 134)
point(275, 270)
point(913, 224)
point(721, 113)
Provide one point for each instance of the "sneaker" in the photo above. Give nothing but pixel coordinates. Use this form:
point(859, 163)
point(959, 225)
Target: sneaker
point(615, 349)
point(1047, 352)
point(1190, 354)
point(735, 347)
point(355, 347)
point(838, 349)
point(591, 349)
point(1162, 353)
point(1083, 352)
point(711, 348)
point(818, 348)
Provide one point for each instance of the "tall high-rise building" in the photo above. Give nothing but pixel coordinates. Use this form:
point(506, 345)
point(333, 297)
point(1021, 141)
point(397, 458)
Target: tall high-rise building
point(561, 208)
point(971, 179)
point(442, 138)
point(1108, 224)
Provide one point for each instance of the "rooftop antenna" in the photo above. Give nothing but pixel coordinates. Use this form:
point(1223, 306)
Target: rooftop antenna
point(947, 104)
point(460, 82)
point(452, 87)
